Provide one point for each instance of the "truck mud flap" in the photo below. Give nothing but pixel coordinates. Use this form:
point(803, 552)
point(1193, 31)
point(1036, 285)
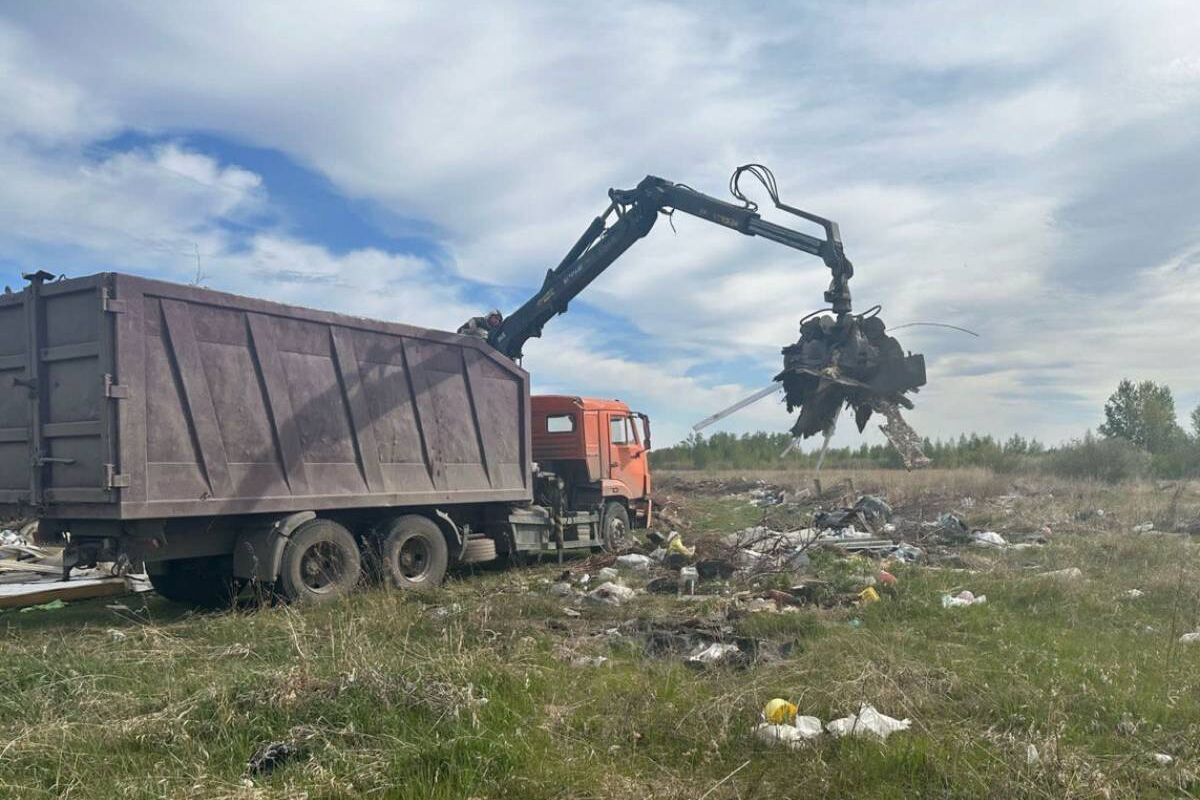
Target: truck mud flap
point(259, 550)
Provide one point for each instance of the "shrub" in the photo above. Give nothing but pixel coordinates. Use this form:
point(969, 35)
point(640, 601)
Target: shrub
point(1109, 460)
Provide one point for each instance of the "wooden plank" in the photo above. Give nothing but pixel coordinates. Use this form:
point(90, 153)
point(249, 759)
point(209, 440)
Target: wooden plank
point(485, 433)
point(131, 374)
point(34, 594)
point(425, 411)
point(178, 318)
point(279, 403)
point(12, 565)
point(356, 401)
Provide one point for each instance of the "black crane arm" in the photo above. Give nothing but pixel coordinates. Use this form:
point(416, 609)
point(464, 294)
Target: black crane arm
point(636, 211)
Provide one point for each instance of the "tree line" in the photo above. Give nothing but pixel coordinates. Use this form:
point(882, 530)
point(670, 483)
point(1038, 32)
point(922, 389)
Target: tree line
point(1140, 437)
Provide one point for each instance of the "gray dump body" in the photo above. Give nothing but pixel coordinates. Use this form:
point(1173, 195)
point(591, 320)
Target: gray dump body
point(126, 398)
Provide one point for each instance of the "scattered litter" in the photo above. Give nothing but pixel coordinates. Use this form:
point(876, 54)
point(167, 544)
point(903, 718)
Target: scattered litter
point(844, 535)
point(868, 595)
point(675, 545)
point(715, 569)
point(1163, 760)
point(634, 561)
point(610, 593)
point(589, 661)
point(791, 736)
point(116, 635)
point(270, 756)
point(875, 509)
point(441, 612)
point(988, 539)
point(963, 598)
point(867, 722)
point(780, 711)
point(53, 605)
point(715, 655)
point(1145, 527)
point(1032, 756)
point(1068, 574)
point(1190, 638)
point(1133, 594)
point(808, 727)
point(562, 589)
point(570, 612)
point(950, 527)
point(10, 538)
point(908, 553)
point(688, 578)
point(607, 574)
point(764, 495)
point(886, 578)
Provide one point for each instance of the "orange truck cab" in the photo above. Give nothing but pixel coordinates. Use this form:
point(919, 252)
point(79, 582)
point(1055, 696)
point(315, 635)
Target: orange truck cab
point(599, 449)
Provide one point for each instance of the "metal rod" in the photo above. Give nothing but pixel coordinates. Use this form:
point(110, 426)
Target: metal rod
point(738, 406)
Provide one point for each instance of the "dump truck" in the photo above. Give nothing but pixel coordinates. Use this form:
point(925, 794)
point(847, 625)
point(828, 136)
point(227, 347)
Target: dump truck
point(223, 440)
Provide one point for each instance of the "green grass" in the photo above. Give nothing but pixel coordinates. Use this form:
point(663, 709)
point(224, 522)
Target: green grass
point(386, 692)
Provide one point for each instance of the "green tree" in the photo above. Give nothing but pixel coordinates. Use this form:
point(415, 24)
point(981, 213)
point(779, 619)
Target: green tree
point(1196, 422)
point(1144, 414)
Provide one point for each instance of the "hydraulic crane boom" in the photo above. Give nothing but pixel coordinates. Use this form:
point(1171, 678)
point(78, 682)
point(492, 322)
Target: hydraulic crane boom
point(840, 360)
point(636, 211)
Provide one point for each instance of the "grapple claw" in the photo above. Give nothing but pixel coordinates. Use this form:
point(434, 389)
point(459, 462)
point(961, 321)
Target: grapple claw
point(850, 361)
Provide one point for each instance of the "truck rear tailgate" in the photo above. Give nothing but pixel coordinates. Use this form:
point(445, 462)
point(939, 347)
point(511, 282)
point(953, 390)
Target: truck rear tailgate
point(56, 416)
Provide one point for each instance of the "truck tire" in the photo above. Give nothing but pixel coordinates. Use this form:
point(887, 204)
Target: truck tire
point(414, 553)
point(205, 582)
point(478, 551)
point(321, 562)
point(614, 526)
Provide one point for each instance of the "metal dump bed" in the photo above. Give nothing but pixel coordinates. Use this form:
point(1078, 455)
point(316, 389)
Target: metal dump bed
point(126, 398)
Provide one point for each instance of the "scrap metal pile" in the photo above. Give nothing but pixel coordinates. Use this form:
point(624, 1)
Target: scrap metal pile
point(849, 360)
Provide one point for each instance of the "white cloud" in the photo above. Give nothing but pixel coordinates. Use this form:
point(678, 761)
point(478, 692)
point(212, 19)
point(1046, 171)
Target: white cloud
point(970, 151)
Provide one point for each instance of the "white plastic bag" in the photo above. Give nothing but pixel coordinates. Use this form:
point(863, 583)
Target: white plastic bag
point(963, 598)
point(867, 722)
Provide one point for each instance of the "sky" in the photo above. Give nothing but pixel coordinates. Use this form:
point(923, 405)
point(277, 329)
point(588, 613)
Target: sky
point(1027, 170)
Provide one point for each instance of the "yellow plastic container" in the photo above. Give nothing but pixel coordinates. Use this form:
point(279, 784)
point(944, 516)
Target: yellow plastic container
point(779, 712)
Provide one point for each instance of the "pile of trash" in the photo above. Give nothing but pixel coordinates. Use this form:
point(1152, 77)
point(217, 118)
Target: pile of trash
point(864, 527)
point(32, 576)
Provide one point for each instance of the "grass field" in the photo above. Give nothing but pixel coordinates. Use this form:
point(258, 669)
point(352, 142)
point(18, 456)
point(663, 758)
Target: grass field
point(484, 689)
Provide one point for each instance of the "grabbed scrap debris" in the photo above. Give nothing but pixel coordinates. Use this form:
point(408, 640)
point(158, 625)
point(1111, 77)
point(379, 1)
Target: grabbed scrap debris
point(850, 360)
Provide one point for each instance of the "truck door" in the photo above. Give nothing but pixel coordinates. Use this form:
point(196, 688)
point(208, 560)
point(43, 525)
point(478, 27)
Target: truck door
point(626, 459)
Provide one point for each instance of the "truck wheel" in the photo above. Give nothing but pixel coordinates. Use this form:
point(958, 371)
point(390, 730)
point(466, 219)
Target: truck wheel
point(414, 553)
point(204, 582)
point(614, 526)
point(320, 562)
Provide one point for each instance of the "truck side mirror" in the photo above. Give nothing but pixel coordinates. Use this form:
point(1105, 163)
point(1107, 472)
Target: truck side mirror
point(645, 430)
